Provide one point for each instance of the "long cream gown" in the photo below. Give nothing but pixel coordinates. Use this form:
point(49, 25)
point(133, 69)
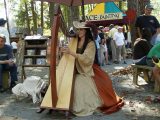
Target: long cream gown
point(86, 98)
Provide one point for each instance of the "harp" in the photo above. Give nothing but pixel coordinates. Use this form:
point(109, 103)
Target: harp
point(58, 95)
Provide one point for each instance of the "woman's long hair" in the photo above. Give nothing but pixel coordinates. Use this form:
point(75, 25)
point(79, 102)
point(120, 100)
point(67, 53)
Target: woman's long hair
point(91, 35)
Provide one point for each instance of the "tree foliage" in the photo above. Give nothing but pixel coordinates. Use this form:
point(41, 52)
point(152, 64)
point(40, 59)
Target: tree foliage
point(28, 13)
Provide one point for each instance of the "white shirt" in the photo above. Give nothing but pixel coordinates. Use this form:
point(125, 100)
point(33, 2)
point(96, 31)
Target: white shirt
point(4, 31)
point(119, 38)
point(111, 32)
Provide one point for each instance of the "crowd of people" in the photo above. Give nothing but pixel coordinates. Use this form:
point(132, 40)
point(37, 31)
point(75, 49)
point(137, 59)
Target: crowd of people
point(111, 45)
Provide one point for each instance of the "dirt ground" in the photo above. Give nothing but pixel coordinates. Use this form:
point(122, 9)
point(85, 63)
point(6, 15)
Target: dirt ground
point(139, 104)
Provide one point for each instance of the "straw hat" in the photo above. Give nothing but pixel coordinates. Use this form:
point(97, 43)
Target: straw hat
point(79, 25)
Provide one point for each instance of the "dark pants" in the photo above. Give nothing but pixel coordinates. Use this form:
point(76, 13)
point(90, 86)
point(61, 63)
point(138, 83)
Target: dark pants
point(13, 72)
point(145, 61)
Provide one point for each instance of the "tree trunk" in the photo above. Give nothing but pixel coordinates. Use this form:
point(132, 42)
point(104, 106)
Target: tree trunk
point(42, 23)
point(120, 5)
point(34, 16)
point(76, 13)
point(133, 5)
point(66, 14)
point(73, 13)
point(27, 19)
point(51, 13)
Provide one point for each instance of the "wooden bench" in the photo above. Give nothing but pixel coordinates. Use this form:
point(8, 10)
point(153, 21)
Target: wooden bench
point(5, 78)
point(137, 69)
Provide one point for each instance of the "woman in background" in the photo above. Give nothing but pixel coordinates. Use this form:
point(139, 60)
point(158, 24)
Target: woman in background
point(141, 47)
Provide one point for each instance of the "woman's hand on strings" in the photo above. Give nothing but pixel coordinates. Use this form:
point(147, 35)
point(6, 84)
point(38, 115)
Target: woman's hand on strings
point(65, 50)
point(68, 51)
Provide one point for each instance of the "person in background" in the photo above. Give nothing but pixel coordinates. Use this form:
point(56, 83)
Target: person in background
point(106, 49)
point(120, 45)
point(39, 30)
point(141, 47)
point(156, 73)
point(14, 47)
point(111, 33)
point(97, 38)
point(102, 49)
point(93, 88)
point(154, 52)
point(6, 62)
point(147, 21)
point(129, 40)
point(102, 53)
point(4, 31)
point(98, 52)
point(108, 43)
point(155, 39)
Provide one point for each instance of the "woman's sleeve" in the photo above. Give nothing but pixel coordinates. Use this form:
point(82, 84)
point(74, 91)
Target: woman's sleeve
point(87, 58)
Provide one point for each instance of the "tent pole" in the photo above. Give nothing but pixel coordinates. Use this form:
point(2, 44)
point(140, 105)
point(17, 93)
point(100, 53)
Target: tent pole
point(83, 14)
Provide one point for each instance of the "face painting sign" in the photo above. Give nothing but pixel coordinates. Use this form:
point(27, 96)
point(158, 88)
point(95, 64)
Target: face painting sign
point(107, 16)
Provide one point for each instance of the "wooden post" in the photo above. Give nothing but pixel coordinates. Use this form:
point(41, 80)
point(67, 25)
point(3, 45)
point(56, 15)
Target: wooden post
point(135, 75)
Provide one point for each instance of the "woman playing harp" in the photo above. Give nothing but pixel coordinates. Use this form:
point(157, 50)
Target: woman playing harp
point(93, 88)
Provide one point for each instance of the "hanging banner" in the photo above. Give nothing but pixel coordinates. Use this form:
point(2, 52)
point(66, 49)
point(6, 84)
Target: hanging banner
point(107, 16)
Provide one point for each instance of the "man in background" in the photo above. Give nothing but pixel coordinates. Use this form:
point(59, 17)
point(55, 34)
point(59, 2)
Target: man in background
point(6, 62)
point(4, 30)
point(120, 44)
point(111, 33)
point(147, 21)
